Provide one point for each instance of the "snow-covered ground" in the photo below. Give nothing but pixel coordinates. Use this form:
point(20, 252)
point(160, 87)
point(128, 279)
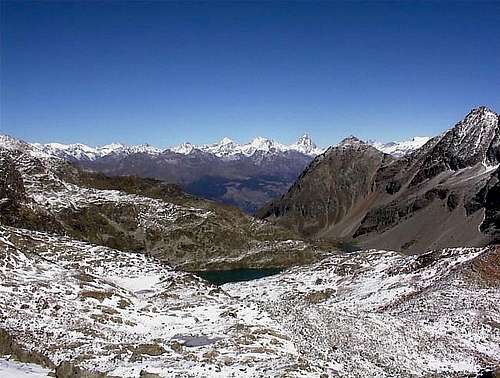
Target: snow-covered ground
point(125, 312)
point(366, 313)
point(13, 369)
point(378, 313)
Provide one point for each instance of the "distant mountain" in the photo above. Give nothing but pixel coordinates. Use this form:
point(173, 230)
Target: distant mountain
point(246, 175)
point(445, 193)
point(81, 152)
point(402, 148)
point(226, 148)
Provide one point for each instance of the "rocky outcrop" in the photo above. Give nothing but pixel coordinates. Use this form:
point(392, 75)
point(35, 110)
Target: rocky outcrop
point(488, 198)
point(9, 346)
point(12, 192)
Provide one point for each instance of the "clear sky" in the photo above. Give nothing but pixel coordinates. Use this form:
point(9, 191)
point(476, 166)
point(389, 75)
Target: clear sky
point(166, 72)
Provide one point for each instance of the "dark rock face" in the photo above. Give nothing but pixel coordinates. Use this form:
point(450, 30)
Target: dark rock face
point(428, 199)
point(330, 189)
point(9, 346)
point(12, 191)
point(489, 199)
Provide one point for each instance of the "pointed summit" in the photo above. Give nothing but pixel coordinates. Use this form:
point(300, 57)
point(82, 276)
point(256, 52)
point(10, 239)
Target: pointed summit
point(305, 140)
point(306, 146)
point(474, 140)
point(225, 141)
point(184, 148)
point(479, 115)
point(351, 140)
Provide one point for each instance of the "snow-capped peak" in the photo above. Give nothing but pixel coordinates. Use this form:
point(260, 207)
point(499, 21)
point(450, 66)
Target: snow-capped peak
point(260, 144)
point(143, 149)
point(223, 148)
point(305, 140)
point(227, 148)
point(79, 151)
point(400, 148)
point(225, 141)
point(184, 148)
point(305, 145)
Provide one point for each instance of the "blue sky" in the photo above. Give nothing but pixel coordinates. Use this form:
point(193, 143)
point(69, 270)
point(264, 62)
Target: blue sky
point(165, 72)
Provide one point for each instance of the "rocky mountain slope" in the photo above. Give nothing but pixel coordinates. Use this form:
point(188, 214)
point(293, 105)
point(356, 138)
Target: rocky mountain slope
point(82, 310)
point(90, 284)
point(44, 193)
point(443, 194)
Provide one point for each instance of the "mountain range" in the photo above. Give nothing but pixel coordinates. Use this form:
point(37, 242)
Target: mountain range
point(100, 275)
point(245, 175)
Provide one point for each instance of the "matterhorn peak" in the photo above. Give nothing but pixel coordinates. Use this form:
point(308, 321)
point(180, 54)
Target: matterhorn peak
point(306, 141)
point(306, 146)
